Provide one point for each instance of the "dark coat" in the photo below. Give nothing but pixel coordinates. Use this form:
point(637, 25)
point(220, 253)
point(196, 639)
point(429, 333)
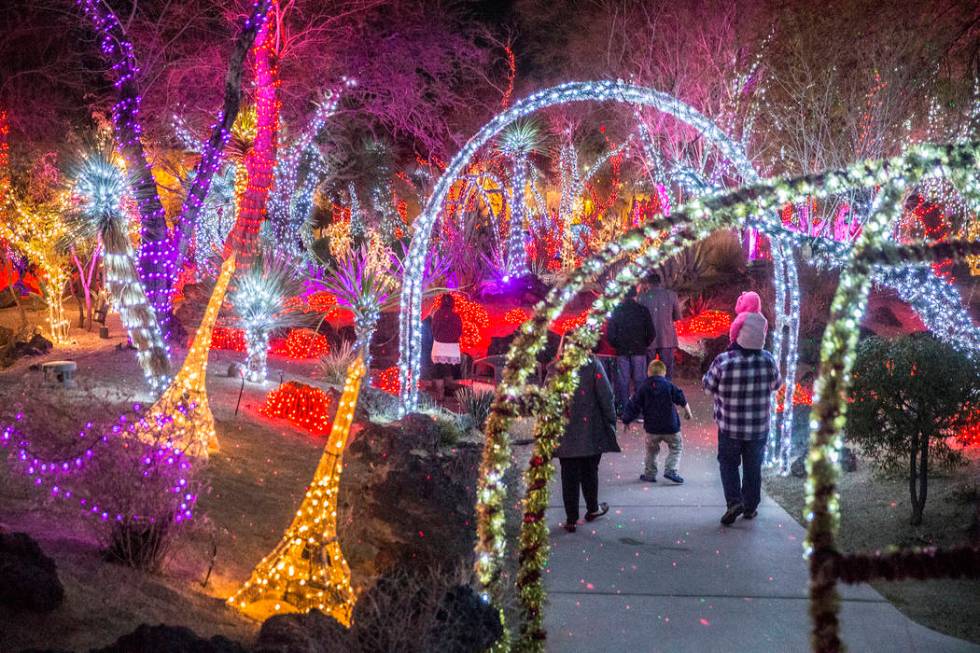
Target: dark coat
point(446, 326)
point(591, 428)
point(630, 329)
point(655, 400)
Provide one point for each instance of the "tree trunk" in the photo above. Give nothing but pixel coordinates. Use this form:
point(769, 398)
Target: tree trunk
point(923, 480)
point(213, 150)
point(913, 478)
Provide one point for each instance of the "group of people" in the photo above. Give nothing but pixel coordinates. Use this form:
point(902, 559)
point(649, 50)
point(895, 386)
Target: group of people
point(741, 381)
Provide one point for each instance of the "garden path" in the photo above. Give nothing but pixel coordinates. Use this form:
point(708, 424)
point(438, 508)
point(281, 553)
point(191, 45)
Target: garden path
point(659, 573)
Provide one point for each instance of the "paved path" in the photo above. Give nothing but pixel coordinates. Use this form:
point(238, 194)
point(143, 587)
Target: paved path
point(660, 573)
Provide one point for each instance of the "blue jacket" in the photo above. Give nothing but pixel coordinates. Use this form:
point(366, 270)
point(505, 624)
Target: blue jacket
point(655, 400)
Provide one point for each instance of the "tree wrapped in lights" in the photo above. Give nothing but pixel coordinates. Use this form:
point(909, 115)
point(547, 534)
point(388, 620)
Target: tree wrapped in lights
point(99, 187)
point(260, 302)
point(518, 143)
point(307, 569)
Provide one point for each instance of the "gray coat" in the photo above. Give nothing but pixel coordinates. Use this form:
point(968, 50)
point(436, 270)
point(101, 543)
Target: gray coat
point(664, 309)
point(591, 428)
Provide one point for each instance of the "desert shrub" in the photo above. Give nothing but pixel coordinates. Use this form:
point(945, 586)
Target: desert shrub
point(376, 405)
point(334, 364)
point(450, 428)
point(725, 255)
point(909, 396)
point(684, 268)
point(475, 405)
point(137, 491)
point(428, 609)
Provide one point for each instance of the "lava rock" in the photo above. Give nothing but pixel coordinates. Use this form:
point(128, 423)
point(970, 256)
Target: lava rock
point(312, 632)
point(433, 519)
point(28, 578)
point(169, 639)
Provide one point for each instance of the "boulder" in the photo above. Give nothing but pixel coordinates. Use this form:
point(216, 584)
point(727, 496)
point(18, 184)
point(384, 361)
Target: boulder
point(798, 467)
point(431, 522)
point(312, 632)
point(466, 623)
point(169, 639)
point(28, 578)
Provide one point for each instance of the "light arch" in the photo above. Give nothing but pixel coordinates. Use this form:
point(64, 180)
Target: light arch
point(595, 91)
point(691, 223)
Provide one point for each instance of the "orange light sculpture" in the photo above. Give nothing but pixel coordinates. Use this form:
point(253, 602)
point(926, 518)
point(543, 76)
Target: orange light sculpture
point(307, 569)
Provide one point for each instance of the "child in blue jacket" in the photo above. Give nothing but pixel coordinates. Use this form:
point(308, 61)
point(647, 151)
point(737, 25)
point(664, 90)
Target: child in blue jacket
point(656, 400)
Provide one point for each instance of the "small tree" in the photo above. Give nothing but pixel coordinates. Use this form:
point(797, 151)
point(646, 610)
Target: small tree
point(909, 396)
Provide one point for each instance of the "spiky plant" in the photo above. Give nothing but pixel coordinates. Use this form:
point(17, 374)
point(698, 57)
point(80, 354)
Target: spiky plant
point(475, 404)
point(259, 298)
point(334, 364)
point(99, 187)
point(518, 143)
point(521, 139)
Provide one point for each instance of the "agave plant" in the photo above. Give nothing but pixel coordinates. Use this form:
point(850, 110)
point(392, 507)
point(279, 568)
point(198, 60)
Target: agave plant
point(334, 364)
point(259, 298)
point(99, 187)
point(475, 404)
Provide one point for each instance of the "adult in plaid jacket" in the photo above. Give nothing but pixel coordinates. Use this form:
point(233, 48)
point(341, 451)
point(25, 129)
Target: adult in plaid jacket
point(741, 381)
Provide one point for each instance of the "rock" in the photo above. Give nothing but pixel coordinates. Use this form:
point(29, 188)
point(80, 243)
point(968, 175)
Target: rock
point(798, 467)
point(848, 461)
point(433, 520)
point(313, 632)
point(373, 402)
point(169, 639)
point(712, 348)
point(190, 311)
point(466, 623)
point(235, 370)
point(28, 578)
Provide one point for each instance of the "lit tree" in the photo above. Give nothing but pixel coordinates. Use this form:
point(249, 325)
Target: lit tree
point(99, 188)
point(518, 143)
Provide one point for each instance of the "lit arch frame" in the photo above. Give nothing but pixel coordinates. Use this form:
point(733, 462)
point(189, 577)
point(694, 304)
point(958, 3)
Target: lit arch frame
point(713, 212)
point(600, 91)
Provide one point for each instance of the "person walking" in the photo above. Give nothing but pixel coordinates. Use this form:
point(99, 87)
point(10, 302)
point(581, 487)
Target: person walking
point(447, 328)
point(741, 380)
point(591, 432)
point(655, 401)
point(664, 309)
point(630, 332)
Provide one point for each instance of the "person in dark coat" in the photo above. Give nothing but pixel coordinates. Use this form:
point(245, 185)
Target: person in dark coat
point(591, 432)
point(630, 332)
point(447, 329)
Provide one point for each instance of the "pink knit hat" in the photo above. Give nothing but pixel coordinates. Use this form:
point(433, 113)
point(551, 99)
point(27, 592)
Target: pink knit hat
point(753, 332)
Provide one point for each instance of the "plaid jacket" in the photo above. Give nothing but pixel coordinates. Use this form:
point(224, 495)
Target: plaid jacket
point(742, 382)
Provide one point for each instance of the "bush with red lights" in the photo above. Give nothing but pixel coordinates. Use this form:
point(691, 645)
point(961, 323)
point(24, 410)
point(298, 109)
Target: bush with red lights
point(302, 344)
point(706, 324)
point(517, 316)
point(228, 339)
point(475, 319)
point(802, 396)
point(303, 405)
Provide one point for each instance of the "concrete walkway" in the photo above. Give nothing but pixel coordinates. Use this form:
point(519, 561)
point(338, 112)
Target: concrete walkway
point(659, 573)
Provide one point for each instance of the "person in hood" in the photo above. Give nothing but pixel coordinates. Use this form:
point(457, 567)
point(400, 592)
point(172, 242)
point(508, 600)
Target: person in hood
point(630, 332)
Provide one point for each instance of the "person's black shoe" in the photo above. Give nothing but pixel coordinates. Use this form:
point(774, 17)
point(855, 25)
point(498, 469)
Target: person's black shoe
point(569, 526)
point(674, 476)
point(647, 478)
point(750, 514)
point(732, 514)
point(592, 516)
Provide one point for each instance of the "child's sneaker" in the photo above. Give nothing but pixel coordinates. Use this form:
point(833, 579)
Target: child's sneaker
point(674, 476)
point(648, 478)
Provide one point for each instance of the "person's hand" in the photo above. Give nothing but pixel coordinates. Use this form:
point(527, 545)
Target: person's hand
point(687, 412)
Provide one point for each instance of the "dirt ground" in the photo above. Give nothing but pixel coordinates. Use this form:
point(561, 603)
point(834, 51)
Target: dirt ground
point(875, 514)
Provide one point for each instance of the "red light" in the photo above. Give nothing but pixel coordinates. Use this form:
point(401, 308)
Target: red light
point(303, 405)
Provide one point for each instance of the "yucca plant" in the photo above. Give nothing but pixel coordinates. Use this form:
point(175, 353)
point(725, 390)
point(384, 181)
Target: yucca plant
point(99, 187)
point(475, 404)
point(333, 365)
point(259, 298)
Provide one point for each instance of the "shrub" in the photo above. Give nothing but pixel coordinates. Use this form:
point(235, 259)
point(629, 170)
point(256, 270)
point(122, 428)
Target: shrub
point(333, 365)
point(475, 404)
point(909, 396)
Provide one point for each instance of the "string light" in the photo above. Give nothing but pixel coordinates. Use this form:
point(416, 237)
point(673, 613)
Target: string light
point(304, 405)
point(307, 569)
point(706, 324)
point(303, 344)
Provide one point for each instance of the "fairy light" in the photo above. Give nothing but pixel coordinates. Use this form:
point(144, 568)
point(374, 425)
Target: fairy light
point(307, 569)
point(303, 344)
point(475, 319)
point(706, 324)
point(261, 159)
point(620, 91)
point(304, 405)
point(99, 189)
point(517, 316)
point(387, 380)
point(158, 253)
point(357, 229)
point(228, 339)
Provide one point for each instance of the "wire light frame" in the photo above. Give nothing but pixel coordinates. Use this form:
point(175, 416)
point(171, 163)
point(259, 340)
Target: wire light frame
point(307, 569)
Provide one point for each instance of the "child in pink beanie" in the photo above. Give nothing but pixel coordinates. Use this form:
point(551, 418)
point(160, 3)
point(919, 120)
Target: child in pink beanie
point(749, 327)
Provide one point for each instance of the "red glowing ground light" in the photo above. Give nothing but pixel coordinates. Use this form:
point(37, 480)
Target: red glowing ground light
point(706, 324)
point(969, 435)
point(303, 405)
point(302, 344)
point(387, 380)
point(475, 319)
point(228, 339)
point(802, 396)
point(517, 316)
